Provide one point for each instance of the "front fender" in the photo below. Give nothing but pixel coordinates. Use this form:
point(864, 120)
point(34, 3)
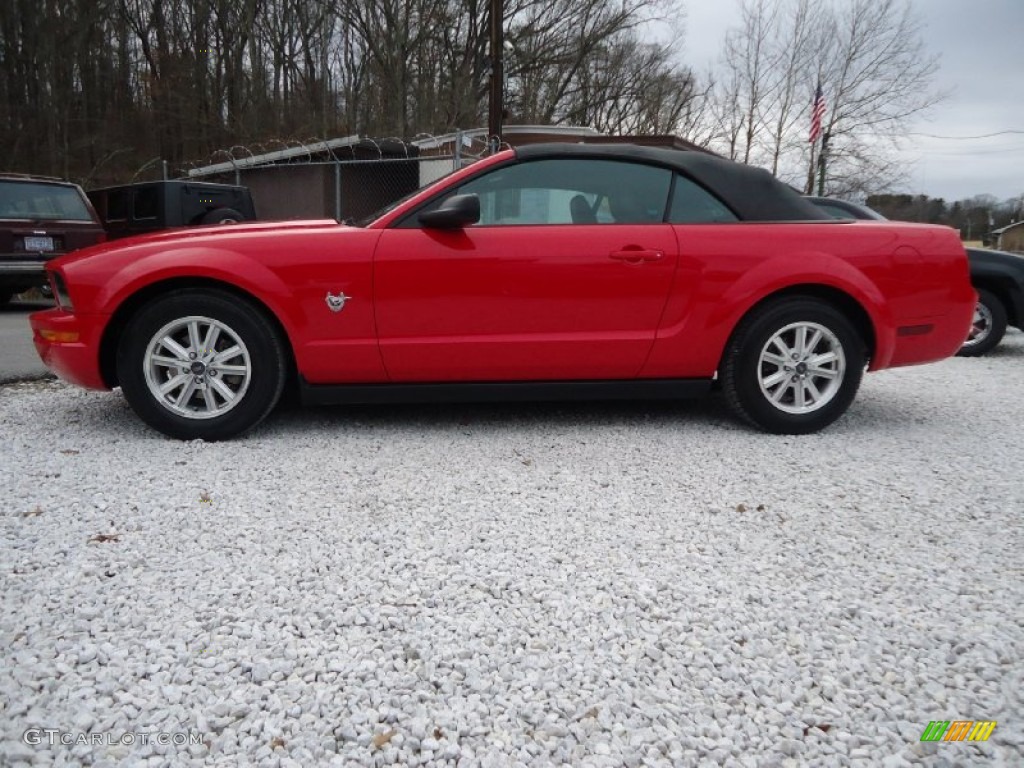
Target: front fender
point(220, 264)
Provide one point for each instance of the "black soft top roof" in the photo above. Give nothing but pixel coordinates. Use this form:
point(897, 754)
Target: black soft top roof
point(752, 193)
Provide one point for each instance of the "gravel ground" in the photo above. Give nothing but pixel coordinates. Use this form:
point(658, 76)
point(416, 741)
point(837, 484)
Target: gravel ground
point(594, 585)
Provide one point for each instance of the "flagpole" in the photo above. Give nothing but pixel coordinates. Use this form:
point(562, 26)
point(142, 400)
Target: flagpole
point(817, 113)
point(809, 189)
point(822, 161)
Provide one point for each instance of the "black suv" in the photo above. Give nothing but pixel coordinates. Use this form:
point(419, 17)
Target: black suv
point(40, 218)
point(148, 206)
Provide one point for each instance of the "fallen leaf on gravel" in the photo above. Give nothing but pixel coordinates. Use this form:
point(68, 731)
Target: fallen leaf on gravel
point(760, 507)
point(104, 537)
point(592, 712)
point(741, 507)
point(438, 733)
point(824, 728)
point(34, 512)
point(527, 462)
point(70, 452)
point(276, 742)
point(383, 738)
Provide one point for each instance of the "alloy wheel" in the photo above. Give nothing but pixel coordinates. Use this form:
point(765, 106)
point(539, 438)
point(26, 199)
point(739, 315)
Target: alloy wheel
point(801, 367)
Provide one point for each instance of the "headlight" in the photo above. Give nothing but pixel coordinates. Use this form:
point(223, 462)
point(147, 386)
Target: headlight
point(60, 291)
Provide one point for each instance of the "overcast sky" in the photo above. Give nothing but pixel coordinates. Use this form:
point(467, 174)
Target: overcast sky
point(981, 49)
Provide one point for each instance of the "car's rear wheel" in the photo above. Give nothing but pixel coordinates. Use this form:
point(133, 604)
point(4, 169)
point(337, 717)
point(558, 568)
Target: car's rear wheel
point(987, 327)
point(201, 364)
point(793, 366)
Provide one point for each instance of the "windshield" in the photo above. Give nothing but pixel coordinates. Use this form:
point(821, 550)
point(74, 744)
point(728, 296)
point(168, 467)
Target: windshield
point(41, 202)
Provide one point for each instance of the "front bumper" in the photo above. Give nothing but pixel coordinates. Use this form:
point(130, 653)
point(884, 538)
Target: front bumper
point(69, 345)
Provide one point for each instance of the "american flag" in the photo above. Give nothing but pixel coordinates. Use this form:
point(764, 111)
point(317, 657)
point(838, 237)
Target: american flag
point(817, 112)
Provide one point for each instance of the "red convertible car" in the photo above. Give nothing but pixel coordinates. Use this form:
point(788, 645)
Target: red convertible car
point(546, 272)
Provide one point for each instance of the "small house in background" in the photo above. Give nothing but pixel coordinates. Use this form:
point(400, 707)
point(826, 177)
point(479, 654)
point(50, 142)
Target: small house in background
point(1009, 238)
point(352, 177)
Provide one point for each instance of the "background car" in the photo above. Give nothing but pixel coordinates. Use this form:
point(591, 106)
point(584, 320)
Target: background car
point(997, 276)
point(150, 206)
point(546, 272)
point(40, 218)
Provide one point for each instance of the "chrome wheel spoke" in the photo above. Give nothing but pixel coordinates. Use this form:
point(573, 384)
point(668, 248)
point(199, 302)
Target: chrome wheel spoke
point(776, 396)
point(186, 394)
point(222, 389)
point(823, 373)
point(212, 334)
point(813, 343)
point(812, 390)
point(227, 354)
point(819, 360)
point(231, 370)
point(175, 348)
point(773, 359)
point(784, 350)
point(211, 403)
point(174, 383)
point(775, 378)
point(167, 362)
point(195, 343)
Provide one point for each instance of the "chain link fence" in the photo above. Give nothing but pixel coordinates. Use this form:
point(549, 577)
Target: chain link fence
point(345, 179)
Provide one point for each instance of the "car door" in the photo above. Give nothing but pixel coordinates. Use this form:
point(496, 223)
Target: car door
point(564, 277)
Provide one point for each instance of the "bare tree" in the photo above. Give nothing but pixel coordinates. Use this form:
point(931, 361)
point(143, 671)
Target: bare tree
point(875, 73)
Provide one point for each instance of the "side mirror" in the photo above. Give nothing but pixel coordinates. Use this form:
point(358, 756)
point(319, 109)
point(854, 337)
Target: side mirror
point(454, 213)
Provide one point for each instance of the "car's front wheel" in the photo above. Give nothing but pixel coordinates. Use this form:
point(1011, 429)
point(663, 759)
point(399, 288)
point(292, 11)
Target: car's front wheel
point(201, 364)
point(793, 366)
point(988, 325)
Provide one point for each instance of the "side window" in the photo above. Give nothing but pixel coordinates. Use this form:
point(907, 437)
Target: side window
point(145, 203)
point(117, 205)
point(570, 191)
point(834, 211)
point(692, 204)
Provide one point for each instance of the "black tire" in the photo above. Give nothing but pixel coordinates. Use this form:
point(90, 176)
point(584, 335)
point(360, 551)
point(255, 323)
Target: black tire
point(5, 297)
point(988, 326)
point(223, 216)
point(242, 326)
point(748, 379)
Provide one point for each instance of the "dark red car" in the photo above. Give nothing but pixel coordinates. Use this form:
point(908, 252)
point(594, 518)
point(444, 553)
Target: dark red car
point(40, 218)
point(551, 271)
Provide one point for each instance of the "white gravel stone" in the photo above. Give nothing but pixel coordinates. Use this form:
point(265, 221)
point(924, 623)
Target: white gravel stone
point(598, 584)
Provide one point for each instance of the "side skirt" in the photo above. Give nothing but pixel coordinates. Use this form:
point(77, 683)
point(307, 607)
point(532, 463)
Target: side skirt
point(485, 392)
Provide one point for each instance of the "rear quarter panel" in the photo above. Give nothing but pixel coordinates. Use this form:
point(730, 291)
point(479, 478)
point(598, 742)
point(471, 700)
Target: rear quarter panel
point(901, 274)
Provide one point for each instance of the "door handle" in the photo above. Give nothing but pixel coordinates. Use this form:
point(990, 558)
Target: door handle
point(636, 255)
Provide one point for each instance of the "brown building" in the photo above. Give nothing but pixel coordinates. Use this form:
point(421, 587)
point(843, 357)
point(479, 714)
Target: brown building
point(1010, 237)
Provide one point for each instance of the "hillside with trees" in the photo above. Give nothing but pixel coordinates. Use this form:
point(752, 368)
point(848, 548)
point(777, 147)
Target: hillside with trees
point(973, 217)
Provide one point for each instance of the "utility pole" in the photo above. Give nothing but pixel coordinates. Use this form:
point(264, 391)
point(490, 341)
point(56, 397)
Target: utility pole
point(495, 105)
